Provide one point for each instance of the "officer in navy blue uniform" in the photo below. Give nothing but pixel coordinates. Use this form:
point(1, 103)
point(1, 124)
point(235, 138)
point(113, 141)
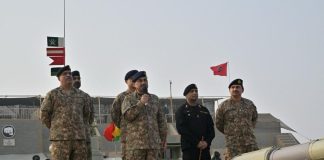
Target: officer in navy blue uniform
point(195, 125)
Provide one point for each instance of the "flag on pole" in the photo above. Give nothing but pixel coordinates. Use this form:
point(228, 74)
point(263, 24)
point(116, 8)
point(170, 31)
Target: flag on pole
point(57, 55)
point(55, 51)
point(220, 70)
point(112, 132)
point(58, 60)
point(54, 70)
point(55, 42)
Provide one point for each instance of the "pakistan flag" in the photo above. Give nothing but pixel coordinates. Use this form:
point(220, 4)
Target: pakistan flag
point(55, 41)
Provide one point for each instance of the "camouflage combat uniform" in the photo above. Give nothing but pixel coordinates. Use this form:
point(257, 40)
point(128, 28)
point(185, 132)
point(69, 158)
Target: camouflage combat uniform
point(64, 113)
point(236, 120)
point(88, 121)
point(146, 127)
point(118, 119)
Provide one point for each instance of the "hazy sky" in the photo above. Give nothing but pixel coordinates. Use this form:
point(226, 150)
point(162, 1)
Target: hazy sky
point(275, 46)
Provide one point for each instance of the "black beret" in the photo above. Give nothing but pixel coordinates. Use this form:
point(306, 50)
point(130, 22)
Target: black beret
point(75, 73)
point(65, 68)
point(236, 82)
point(138, 75)
point(130, 74)
point(188, 88)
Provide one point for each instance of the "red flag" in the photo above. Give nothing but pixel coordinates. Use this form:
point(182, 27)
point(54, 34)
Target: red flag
point(108, 132)
point(57, 55)
point(55, 52)
point(220, 70)
point(58, 60)
point(112, 132)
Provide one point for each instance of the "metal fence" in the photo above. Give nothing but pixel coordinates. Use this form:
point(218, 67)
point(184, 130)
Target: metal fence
point(34, 114)
point(19, 113)
point(27, 107)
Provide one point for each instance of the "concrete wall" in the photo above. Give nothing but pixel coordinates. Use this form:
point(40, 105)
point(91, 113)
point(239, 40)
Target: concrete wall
point(32, 137)
point(265, 133)
point(28, 137)
point(45, 137)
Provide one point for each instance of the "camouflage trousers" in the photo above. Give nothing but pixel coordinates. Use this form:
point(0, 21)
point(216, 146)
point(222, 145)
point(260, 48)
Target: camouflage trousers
point(143, 154)
point(69, 150)
point(123, 154)
point(237, 150)
point(89, 151)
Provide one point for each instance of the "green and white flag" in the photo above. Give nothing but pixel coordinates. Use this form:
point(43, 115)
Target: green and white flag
point(55, 41)
point(55, 70)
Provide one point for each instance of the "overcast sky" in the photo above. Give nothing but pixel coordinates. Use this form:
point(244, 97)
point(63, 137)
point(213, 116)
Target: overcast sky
point(275, 46)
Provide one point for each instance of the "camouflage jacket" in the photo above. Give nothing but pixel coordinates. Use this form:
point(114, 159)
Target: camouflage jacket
point(90, 118)
point(236, 120)
point(146, 124)
point(116, 114)
point(65, 114)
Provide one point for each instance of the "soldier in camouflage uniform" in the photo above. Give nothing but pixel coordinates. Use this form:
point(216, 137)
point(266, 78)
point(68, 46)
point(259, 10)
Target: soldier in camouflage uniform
point(195, 125)
point(77, 84)
point(63, 111)
point(116, 115)
point(146, 124)
point(236, 118)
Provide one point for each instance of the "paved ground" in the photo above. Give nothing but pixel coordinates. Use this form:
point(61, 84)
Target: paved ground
point(30, 157)
point(22, 156)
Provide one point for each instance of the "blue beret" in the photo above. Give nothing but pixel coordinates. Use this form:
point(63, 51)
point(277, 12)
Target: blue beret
point(188, 88)
point(75, 73)
point(65, 68)
point(130, 74)
point(138, 75)
point(236, 82)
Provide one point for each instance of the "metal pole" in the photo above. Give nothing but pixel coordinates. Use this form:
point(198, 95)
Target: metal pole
point(115, 150)
point(99, 110)
point(64, 33)
point(40, 104)
point(64, 22)
point(171, 104)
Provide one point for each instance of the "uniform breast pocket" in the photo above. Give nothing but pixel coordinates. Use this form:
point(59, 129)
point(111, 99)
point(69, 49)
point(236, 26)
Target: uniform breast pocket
point(59, 101)
point(78, 105)
point(78, 101)
point(204, 116)
point(247, 112)
point(230, 115)
point(155, 109)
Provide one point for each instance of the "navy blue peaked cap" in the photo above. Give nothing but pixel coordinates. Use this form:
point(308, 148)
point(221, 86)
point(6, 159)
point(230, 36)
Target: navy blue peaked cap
point(188, 88)
point(138, 75)
point(236, 82)
point(129, 74)
point(75, 73)
point(65, 68)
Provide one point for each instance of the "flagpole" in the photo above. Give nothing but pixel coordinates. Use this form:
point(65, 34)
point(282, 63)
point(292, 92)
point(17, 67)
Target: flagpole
point(171, 104)
point(64, 23)
point(64, 32)
point(115, 150)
